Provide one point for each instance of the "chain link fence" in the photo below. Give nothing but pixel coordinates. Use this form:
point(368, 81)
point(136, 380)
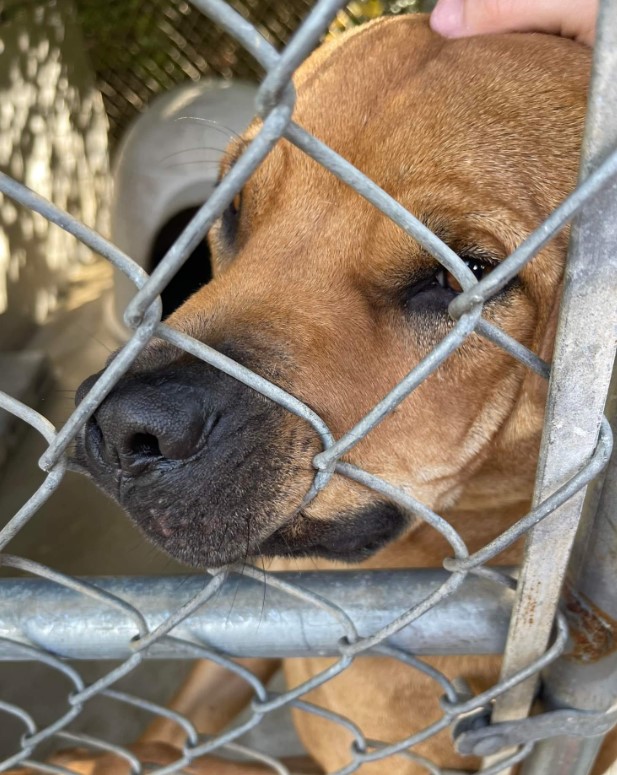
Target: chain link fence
point(137, 619)
point(140, 49)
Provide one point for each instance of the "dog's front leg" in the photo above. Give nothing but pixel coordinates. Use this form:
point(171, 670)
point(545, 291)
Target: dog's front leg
point(209, 698)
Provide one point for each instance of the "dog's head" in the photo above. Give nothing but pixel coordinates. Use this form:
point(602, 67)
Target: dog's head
point(321, 293)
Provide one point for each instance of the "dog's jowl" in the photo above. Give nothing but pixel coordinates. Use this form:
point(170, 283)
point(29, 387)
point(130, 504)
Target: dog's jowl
point(321, 293)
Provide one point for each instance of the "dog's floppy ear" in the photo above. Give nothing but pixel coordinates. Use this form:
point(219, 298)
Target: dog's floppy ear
point(545, 347)
point(547, 341)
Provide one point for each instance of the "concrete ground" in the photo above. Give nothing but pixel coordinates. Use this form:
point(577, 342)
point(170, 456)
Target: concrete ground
point(80, 532)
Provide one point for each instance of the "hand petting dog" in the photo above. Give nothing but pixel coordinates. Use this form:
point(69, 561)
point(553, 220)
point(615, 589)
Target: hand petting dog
point(574, 19)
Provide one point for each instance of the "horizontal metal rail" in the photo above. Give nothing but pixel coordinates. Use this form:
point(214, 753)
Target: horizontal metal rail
point(245, 618)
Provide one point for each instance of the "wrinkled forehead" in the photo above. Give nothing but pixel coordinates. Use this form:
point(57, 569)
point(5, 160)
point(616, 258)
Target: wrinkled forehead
point(394, 98)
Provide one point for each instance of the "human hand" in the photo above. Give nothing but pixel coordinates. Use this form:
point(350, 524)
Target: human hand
point(574, 19)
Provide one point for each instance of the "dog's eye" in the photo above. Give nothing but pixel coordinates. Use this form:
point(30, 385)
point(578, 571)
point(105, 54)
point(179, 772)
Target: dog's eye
point(447, 280)
point(231, 217)
point(435, 291)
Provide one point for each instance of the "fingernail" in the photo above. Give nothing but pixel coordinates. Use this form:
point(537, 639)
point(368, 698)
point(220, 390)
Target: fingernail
point(447, 17)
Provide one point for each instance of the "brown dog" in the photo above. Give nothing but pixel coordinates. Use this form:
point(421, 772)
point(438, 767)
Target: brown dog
point(319, 292)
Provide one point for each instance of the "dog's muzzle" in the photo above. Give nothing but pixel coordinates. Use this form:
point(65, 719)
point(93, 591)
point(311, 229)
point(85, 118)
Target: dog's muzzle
point(213, 472)
point(200, 462)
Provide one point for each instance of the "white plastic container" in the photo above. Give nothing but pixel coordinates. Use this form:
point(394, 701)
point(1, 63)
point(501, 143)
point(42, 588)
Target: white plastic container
point(164, 169)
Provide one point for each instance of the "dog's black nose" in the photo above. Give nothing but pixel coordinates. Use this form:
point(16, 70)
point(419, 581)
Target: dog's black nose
point(141, 423)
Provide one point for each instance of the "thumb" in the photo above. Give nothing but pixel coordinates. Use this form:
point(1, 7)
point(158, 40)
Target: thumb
point(571, 18)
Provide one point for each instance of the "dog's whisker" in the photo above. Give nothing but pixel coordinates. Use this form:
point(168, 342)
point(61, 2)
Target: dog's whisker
point(98, 340)
point(216, 125)
point(265, 585)
point(233, 600)
point(192, 150)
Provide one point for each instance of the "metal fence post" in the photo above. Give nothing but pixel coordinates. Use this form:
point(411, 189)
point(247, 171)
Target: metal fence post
point(582, 365)
point(586, 679)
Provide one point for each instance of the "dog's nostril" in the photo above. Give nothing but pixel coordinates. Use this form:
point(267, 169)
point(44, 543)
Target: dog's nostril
point(144, 445)
point(146, 423)
point(95, 429)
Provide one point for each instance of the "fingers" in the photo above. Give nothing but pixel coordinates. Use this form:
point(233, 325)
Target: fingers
point(571, 18)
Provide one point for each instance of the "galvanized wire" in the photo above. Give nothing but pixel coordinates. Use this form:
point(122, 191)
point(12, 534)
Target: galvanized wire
point(275, 104)
point(142, 48)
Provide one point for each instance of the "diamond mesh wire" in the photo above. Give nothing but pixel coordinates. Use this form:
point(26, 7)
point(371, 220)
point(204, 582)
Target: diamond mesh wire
point(275, 102)
point(144, 47)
